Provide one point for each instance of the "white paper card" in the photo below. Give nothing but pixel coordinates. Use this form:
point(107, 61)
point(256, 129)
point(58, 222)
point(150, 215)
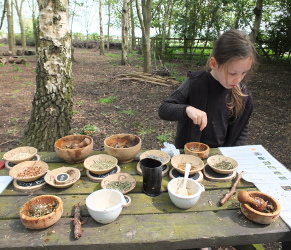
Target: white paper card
point(4, 182)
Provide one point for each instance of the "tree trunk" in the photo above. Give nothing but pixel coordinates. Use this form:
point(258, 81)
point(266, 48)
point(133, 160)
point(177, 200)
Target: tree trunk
point(133, 38)
point(145, 19)
point(10, 26)
point(258, 18)
point(21, 24)
point(53, 99)
point(125, 31)
point(102, 48)
point(3, 13)
point(108, 25)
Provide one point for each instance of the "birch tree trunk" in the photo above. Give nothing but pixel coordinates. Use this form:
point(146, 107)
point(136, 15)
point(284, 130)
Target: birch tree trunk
point(125, 31)
point(257, 23)
point(133, 39)
point(102, 48)
point(21, 24)
point(145, 19)
point(108, 24)
point(53, 99)
point(10, 26)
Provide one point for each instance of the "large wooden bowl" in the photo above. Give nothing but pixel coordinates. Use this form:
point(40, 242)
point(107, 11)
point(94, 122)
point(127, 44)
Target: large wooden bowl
point(32, 213)
point(67, 148)
point(179, 163)
point(197, 148)
point(123, 146)
point(20, 154)
point(28, 171)
point(261, 217)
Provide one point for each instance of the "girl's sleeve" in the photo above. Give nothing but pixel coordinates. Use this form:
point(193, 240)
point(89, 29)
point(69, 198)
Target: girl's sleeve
point(174, 107)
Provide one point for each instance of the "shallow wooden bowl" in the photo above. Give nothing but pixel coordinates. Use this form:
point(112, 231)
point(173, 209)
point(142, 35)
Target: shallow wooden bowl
point(66, 148)
point(197, 148)
point(116, 178)
point(93, 162)
point(31, 212)
point(179, 162)
point(216, 159)
point(28, 171)
point(123, 146)
point(74, 175)
point(261, 217)
point(20, 154)
point(159, 155)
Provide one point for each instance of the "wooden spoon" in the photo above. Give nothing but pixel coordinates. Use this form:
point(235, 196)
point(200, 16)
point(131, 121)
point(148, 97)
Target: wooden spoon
point(183, 190)
point(257, 203)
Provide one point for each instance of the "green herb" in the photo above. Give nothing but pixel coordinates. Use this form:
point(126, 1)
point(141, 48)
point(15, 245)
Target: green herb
point(119, 185)
point(101, 165)
point(224, 165)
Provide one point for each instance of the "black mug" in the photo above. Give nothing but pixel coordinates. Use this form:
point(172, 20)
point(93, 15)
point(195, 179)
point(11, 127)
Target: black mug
point(152, 176)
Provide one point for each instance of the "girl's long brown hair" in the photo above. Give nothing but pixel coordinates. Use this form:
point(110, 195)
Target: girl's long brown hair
point(232, 45)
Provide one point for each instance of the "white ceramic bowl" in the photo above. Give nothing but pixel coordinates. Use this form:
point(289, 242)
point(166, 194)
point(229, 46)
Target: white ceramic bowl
point(194, 188)
point(105, 205)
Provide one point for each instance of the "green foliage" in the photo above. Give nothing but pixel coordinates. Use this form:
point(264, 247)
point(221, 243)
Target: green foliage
point(107, 100)
point(127, 112)
point(86, 130)
point(166, 137)
point(17, 68)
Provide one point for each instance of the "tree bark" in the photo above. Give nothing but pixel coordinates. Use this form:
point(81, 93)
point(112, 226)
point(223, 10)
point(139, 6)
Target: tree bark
point(53, 99)
point(133, 38)
point(10, 26)
point(145, 19)
point(102, 48)
point(21, 24)
point(258, 18)
point(125, 31)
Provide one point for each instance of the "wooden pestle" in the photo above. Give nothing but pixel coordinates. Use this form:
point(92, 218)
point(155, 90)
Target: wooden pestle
point(83, 143)
point(257, 203)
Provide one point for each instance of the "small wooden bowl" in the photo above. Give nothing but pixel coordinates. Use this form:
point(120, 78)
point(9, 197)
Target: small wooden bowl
point(157, 155)
point(261, 217)
point(20, 154)
point(74, 175)
point(30, 212)
point(216, 159)
point(197, 148)
point(67, 148)
point(28, 171)
point(123, 146)
point(92, 163)
point(119, 177)
point(177, 160)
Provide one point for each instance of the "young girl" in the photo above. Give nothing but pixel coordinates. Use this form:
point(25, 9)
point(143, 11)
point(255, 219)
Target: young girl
point(214, 106)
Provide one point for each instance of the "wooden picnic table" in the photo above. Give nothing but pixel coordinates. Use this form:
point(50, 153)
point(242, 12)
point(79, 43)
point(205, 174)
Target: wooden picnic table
point(148, 223)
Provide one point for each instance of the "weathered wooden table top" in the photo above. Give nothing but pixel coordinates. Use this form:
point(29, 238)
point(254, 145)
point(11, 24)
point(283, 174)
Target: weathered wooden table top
point(148, 223)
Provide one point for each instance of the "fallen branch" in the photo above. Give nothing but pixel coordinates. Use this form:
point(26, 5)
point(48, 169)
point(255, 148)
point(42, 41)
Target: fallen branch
point(232, 190)
point(77, 222)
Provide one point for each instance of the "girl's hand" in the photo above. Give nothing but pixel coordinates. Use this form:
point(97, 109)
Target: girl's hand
point(198, 116)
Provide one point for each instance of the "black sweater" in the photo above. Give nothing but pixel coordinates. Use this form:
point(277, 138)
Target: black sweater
point(195, 92)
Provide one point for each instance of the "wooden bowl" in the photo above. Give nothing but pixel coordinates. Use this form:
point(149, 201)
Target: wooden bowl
point(179, 162)
point(213, 162)
point(70, 148)
point(41, 212)
point(123, 146)
point(74, 175)
point(28, 171)
point(113, 182)
point(261, 217)
point(159, 155)
point(197, 148)
point(20, 154)
point(100, 164)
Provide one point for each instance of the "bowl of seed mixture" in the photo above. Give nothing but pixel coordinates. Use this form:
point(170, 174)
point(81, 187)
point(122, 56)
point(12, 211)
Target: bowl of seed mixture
point(222, 164)
point(100, 164)
point(20, 154)
point(122, 182)
point(159, 155)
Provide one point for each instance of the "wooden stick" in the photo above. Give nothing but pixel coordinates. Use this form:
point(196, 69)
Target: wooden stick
point(232, 190)
point(77, 222)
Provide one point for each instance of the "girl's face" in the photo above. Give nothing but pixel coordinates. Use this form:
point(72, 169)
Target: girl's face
point(230, 74)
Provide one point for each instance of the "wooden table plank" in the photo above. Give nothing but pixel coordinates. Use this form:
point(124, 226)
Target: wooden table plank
point(151, 231)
